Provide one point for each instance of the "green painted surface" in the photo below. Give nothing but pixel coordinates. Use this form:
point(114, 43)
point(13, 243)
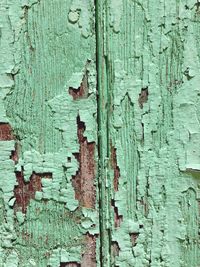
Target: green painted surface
point(152, 65)
point(102, 167)
point(47, 47)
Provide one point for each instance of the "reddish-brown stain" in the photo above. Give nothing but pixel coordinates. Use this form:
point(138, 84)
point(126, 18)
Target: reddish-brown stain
point(115, 168)
point(6, 133)
point(143, 96)
point(83, 181)
point(25, 191)
point(82, 91)
point(85, 190)
point(89, 255)
point(134, 237)
point(117, 218)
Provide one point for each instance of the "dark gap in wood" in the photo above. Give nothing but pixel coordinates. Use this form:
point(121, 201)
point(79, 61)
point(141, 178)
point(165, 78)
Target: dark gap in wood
point(117, 218)
point(70, 264)
point(143, 96)
point(115, 168)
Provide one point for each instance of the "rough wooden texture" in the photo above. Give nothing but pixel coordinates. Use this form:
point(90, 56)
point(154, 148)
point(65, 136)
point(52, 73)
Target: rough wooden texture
point(106, 177)
point(47, 81)
point(150, 52)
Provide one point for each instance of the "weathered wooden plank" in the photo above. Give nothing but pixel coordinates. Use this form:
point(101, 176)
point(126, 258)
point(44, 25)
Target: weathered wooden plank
point(151, 55)
point(48, 165)
point(147, 56)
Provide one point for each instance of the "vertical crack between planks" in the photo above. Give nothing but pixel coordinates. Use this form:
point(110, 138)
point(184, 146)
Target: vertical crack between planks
point(102, 65)
point(98, 122)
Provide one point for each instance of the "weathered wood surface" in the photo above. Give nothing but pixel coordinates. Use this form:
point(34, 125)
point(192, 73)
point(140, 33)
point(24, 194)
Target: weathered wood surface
point(99, 133)
point(151, 56)
point(48, 165)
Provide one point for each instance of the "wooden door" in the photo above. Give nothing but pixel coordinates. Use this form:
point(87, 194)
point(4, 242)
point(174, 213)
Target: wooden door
point(99, 133)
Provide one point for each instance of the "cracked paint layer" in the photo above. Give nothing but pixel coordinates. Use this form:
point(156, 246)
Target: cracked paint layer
point(148, 57)
point(151, 98)
point(45, 53)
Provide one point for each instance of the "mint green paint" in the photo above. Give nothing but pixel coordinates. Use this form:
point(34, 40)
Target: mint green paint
point(154, 44)
point(46, 47)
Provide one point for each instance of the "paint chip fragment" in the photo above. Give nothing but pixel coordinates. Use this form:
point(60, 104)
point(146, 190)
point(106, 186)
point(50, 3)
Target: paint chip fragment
point(73, 16)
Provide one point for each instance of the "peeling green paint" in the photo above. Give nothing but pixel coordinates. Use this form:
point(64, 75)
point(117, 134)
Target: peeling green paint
point(154, 216)
point(42, 224)
point(112, 86)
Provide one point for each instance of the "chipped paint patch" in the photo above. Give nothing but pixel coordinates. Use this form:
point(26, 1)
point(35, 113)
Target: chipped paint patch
point(6, 132)
point(25, 191)
point(83, 181)
point(42, 222)
point(81, 91)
